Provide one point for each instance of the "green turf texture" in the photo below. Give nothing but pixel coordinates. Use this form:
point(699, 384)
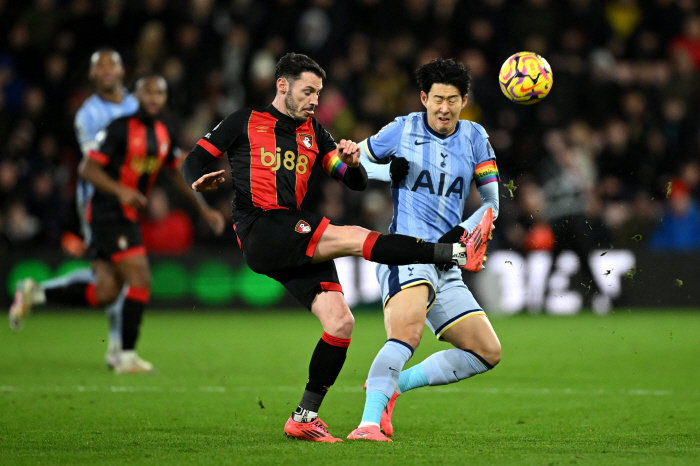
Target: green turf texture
point(619, 389)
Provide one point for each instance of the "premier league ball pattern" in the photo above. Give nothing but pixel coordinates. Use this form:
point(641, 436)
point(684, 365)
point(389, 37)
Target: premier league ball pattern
point(525, 78)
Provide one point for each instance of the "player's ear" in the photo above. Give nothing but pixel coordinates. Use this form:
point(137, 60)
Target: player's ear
point(464, 100)
point(424, 99)
point(282, 86)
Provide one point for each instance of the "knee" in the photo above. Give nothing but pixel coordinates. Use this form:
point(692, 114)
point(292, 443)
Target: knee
point(414, 336)
point(107, 290)
point(142, 279)
point(410, 334)
point(343, 325)
point(491, 352)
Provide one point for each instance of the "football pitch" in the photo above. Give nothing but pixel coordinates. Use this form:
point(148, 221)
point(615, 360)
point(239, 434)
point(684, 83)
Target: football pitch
point(619, 389)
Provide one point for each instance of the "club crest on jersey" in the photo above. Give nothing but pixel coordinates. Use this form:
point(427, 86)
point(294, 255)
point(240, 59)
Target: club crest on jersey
point(122, 242)
point(307, 140)
point(303, 227)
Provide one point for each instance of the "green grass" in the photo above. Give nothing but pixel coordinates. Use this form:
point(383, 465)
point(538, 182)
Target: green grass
point(620, 389)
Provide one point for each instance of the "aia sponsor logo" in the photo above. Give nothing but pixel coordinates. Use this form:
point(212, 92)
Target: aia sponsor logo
point(307, 140)
point(303, 227)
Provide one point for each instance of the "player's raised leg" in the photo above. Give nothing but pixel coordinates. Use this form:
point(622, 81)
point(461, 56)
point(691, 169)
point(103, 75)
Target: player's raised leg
point(326, 362)
point(391, 249)
point(404, 320)
point(76, 289)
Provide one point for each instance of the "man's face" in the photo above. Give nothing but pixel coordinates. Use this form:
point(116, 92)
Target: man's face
point(443, 105)
point(302, 96)
point(107, 72)
point(152, 96)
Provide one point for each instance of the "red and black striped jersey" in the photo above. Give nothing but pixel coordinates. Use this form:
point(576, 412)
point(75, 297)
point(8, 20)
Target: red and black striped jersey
point(271, 157)
point(131, 151)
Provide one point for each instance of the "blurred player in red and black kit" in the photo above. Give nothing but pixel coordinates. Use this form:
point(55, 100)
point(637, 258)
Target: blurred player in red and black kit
point(123, 167)
point(271, 152)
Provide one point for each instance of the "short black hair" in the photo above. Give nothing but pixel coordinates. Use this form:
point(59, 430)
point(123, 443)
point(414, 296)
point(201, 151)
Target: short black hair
point(292, 65)
point(443, 71)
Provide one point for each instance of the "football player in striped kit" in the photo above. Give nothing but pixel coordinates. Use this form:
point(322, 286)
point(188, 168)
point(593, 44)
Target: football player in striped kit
point(111, 100)
point(434, 158)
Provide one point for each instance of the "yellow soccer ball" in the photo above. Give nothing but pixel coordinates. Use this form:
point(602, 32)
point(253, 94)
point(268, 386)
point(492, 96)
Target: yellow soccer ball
point(525, 78)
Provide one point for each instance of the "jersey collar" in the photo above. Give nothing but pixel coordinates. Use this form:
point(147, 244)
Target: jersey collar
point(435, 133)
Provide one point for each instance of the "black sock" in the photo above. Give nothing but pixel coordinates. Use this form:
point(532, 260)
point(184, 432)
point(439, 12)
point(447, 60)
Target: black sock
point(75, 294)
point(326, 362)
point(397, 249)
point(132, 313)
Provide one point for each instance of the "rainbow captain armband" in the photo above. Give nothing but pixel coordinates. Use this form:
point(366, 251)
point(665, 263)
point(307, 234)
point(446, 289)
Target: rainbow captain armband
point(485, 173)
point(333, 166)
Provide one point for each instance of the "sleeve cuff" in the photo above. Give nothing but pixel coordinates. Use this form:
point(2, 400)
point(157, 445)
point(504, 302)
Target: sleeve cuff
point(99, 157)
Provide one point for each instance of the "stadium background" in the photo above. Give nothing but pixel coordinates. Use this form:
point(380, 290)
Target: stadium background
point(620, 124)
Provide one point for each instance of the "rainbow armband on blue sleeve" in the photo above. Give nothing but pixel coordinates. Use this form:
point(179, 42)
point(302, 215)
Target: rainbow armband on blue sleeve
point(485, 173)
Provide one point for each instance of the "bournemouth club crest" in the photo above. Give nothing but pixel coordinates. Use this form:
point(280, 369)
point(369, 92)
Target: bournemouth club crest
point(303, 227)
point(307, 140)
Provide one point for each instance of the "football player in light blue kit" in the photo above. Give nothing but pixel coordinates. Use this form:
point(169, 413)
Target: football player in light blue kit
point(110, 101)
point(443, 155)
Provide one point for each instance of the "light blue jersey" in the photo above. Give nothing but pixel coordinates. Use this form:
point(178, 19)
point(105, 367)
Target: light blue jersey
point(430, 201)
point(93, 116)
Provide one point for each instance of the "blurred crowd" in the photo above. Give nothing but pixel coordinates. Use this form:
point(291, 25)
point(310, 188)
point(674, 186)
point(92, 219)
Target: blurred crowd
point(615, 144)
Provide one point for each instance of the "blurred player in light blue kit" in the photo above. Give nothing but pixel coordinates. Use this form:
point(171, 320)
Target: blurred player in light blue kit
point(110, 101)
point(431, 158)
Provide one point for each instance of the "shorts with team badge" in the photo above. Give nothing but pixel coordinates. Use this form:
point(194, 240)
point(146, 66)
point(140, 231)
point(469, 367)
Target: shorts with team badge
point(280, 243)
point(115, 240)
point(449, 299)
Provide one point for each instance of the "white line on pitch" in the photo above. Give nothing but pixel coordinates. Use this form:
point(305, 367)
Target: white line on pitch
point(254, 389)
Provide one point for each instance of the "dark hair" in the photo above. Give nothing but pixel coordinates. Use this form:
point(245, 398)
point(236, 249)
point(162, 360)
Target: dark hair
point(443, 71)
point(292, 65)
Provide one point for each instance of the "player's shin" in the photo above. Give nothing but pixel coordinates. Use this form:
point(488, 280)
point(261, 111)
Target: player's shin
point(382, 379)
point(443, 368)
point(326, 362)
point(132, 314)
point(74, 294)
point(394, 249)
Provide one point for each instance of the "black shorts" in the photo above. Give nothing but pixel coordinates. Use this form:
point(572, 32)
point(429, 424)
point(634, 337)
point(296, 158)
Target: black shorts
point(280, 244)
point(115, 241)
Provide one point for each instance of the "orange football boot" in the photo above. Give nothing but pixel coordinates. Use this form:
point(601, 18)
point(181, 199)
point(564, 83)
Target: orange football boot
point(368, 433)
point(314, 431)
point(475, 242)
point(385, 423)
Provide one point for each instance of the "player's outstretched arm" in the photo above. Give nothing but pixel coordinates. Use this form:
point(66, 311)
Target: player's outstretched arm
point(213, 217)
point(192, 171)
point(92, 171)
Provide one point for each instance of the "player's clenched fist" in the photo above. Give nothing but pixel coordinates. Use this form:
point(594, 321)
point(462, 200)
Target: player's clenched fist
point(349, 153)
point(209, 182)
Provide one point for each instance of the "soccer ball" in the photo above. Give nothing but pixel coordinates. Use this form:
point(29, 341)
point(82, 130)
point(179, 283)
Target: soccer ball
point(525, 78)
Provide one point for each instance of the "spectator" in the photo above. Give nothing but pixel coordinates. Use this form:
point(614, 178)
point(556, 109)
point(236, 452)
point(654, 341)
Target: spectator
point(680, 226)
point(165, 231)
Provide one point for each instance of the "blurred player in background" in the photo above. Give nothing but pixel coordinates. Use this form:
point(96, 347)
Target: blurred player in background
point(435, 157)
point(123, 165)
point(272, 152)
point(110, 101)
